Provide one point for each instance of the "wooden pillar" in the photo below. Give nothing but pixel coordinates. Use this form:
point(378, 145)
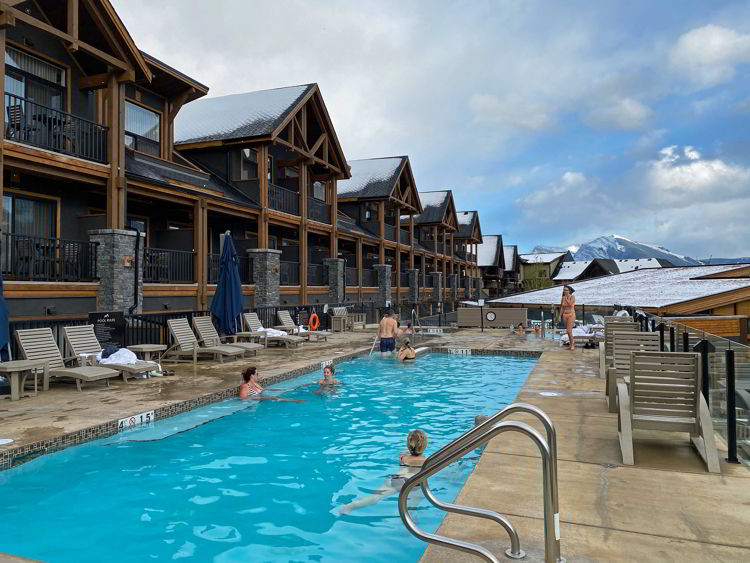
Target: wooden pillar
point(262, 154)
point(411, 241)
point(200, 247)
point(2, 126)
point(381, 221)
point(332, 199)
point(116, 149)
point(359, 268)
point(304, 258)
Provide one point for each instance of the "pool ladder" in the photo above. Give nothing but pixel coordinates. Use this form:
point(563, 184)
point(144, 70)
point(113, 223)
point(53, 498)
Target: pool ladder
point(414, 322)
point(474, 438)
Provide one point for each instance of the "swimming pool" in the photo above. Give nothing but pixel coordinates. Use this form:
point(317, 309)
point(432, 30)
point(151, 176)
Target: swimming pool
point(262, 481)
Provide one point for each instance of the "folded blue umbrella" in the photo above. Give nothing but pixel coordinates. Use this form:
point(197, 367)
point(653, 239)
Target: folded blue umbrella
point(226, 305)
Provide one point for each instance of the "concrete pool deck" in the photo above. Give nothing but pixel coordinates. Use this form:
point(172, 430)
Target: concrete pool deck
point(666, 508)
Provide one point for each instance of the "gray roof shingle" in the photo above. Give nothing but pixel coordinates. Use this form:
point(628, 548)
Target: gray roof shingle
point(371, 177)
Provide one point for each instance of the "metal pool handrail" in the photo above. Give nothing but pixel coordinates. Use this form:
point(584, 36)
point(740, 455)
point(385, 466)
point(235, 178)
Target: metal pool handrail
point(551, 518)
point(443, 452)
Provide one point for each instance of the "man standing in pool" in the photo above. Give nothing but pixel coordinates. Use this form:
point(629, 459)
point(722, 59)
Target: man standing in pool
point(387, 330)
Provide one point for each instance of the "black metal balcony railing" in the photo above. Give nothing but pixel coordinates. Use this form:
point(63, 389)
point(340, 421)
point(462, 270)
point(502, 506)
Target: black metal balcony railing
point(289, 273)
point(245, 268)
point(162, 265)
point(317, 274)
point(47, 259)
point(404, 279)
point(429, 245)
point(404, 235)
point(394, 278)
point(390, 232)
point(47, 128)
point(284, 200)
point(318, 210)
point(369, 279)
point(352, 277)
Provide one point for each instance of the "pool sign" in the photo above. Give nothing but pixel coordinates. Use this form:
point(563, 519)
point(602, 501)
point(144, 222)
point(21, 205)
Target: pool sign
point(135, 421)
point(109, 327)
point(326, 363)
point(462, 351)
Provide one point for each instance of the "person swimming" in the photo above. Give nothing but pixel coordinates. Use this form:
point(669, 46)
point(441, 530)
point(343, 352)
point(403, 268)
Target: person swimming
point(251, 389)
point(406, 353)
point(410, 461)
point(328, 379)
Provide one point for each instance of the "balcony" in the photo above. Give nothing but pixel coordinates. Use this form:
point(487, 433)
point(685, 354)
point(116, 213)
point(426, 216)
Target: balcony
point(282, 199)
point(47, 259)
point(317, 274)
point(390, 232)
point(369, 279)
point(247, 276)
point(430, 245)
point(404, 279)
point(40, 126)
point(404, 236)
point(394, 278)
point(162, 265)
point(352, 277)
point(318, 211)
point(289, 273)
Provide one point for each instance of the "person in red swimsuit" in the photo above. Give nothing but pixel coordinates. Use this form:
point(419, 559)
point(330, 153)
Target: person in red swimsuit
point(568, 312)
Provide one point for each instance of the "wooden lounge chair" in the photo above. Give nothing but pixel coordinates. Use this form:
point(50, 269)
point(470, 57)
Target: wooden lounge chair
point(208, 335)
point(664, 393)
point(82, 340)
point(187, 345)
point(252, 335)
point(39, 344)
point(605, 348)
point(624, 343)
point(287, 324)
point(287, 340)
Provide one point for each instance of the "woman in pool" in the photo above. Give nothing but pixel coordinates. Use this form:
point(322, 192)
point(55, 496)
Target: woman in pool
point(252, 390)
point(328, 373)
point(520, 329)
point(568, 312)
point(406, 353)
point(410, 463)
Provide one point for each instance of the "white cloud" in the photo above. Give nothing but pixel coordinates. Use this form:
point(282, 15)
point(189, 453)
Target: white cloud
point(709, 55)
point(650, 140)
point(512, 111)
point(621, 113)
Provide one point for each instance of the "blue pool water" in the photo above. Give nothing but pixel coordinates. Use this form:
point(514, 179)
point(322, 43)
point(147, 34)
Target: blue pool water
point(259, 481)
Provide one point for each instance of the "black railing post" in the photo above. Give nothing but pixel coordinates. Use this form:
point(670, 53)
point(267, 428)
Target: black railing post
point(685, 341)
point(704, 347)
point(731, 409)
point(672, 339)
point(661, 337)
point(653, 325)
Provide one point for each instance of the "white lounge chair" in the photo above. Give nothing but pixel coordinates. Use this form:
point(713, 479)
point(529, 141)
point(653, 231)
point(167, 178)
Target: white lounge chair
point(39, 344)
point(624, 344)
point(208, 335)
point(287, 340)
point(287, 324)
point(187, 345)
point(82, 340)
point(664, 393)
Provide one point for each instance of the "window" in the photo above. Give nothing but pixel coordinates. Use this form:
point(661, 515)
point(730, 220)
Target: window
point(33, 79)
point(319, 190)
point(142, 128)
point(270, 169)
point(28, 215)
point(245, 165)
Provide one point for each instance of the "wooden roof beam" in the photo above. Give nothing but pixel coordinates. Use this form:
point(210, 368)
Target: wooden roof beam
point(73, 23)
point(90, 49)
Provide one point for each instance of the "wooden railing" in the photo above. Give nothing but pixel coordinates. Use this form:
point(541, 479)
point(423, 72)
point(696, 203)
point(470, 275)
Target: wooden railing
point(47, 259)
point(282, 199)
point(34, 124)
point(162, 265)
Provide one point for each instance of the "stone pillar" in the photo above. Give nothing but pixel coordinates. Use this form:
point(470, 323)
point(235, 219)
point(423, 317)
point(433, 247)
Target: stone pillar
point(413, 285)
point(267, 270)
point(468, 286)
point(453, 286)
point(383, 272)
point(437, 286)
point(336, 279)
point(115, 266)
point(477, 287)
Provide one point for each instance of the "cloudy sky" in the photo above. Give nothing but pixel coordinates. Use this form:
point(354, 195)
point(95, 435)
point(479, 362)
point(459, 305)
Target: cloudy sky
point(559, 121)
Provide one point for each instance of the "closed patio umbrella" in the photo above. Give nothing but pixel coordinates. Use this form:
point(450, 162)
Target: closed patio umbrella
point(226, 305)
point(4, 326)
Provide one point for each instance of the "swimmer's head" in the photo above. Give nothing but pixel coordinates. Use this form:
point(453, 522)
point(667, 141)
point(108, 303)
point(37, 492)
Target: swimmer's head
point(416, 442)
point(248, 373)
point(329, 371)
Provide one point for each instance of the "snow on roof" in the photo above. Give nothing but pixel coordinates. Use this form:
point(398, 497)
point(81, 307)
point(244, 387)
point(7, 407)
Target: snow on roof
point(433, 199)
point(465, 217)
point(487, 251)
point(370, 177)
point(571, 270)
point(630, 264)
point(640, 288)
point(543, 258)
point(508, 251)
point(236, 116)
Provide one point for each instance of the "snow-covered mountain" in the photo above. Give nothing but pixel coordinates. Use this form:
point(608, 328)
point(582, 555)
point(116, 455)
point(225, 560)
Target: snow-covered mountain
point(713, 261)
point(541, 249)
point(615, 246)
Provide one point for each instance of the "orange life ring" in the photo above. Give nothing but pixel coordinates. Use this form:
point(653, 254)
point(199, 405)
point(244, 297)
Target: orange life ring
point(314, 322)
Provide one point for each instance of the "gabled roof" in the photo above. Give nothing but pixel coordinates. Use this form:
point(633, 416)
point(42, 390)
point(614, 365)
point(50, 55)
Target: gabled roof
point(544, 258)
point(629, 264)
point(490, 252)
point(237, 116)
point(438, 208)
point(510, 257)
point(380, 178)
point(468, 226)
point(171, 82)
point(654, 288)
point(139, 166)
point(348, 225)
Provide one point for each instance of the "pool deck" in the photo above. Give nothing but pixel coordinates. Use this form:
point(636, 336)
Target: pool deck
point(665, 508)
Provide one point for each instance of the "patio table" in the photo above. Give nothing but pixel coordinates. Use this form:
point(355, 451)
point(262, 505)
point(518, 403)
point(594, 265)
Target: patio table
point(147, 349)
point(18, 370)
